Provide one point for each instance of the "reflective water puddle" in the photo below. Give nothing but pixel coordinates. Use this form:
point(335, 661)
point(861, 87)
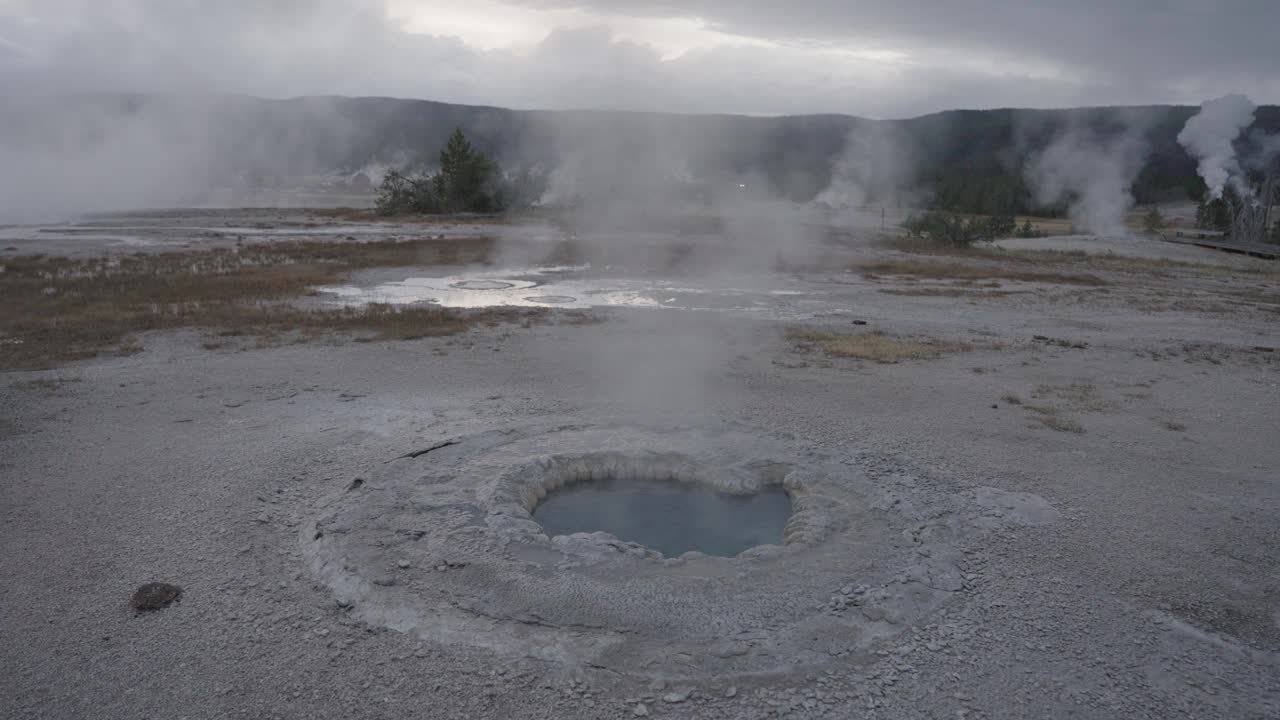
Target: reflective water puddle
point(565, 287)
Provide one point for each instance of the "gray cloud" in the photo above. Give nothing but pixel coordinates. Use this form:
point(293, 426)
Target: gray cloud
point(802, 57)
point(1173, 39)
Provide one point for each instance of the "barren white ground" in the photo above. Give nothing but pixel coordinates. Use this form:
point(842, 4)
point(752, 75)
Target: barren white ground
point(1153, 593)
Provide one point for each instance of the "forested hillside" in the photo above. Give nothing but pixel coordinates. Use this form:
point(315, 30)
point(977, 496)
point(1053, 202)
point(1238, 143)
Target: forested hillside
point(959, 160)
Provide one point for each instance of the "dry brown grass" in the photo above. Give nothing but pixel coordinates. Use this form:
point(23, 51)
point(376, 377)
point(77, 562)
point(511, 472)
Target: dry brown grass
point(1157, 267)
point(1049, 416)
point(1099, 262)
point(371, 215)
point(1080, 396)
point(346, 213)
point(875, 346)
point(924, 246)
point(47, 387)
point(938, 270)
point(59, 309)
point(951, 292)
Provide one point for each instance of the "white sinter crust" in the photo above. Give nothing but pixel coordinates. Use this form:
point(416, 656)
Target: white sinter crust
point(441, 544)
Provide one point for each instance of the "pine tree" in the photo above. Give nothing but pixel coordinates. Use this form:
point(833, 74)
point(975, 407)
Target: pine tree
point(1154, 221)
point(395, 194)
point(464, 173)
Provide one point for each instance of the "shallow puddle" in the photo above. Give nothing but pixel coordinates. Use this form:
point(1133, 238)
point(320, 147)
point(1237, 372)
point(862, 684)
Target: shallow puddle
point(564, 287)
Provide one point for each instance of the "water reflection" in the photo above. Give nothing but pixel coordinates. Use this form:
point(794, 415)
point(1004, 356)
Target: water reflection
point(571, 287)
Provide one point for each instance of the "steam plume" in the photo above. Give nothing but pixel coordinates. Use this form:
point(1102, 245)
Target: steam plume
point(1092, 174)
point(1210, 135)
point(874, 167)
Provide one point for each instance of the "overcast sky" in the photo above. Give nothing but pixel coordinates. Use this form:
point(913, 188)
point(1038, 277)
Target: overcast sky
point(879, 58)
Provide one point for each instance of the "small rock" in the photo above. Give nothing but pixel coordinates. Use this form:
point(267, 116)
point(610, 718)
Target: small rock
point(731, 649)
point(640, 710)
point(731, 692)
point(675, 697)
point(402, 564)
point(155, 596)
point(874, 613)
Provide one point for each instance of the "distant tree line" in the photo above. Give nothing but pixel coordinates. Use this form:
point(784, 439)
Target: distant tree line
point(1216, 213)
point(995, 190)
point(468, 181)
point(1221, 214)
point(958, 231)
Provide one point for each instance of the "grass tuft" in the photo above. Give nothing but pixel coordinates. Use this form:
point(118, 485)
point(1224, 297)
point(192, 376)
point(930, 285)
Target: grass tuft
point(938, 270)
point(875, 346)
point(1048, 416)
point(950, 292)
point(1113, 262)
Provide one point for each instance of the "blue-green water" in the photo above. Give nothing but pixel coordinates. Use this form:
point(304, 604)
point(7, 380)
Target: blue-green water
point(670, 517)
